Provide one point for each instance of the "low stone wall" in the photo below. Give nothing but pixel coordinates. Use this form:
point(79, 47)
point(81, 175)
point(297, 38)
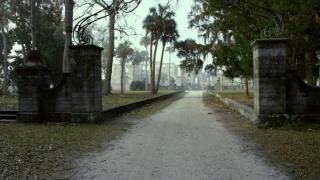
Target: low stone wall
point(301, 97)
point(277, 119)
point(120, 110)
point(105, 115)
point(161, 87)
point(246, 111)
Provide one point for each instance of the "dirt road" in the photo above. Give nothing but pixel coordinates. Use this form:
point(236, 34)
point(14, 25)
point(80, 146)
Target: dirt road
point(182, 141)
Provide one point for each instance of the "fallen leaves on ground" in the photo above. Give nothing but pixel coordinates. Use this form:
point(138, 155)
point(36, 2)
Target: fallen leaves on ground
point(295, 148)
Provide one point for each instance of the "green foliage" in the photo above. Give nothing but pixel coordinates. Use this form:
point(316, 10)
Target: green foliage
point(13, 76)
point(137, 85)
point(235, 58)
point(161, 26)
point(139, 57)
point(164, 77)
point(50, 37)
point(301, 25)
point(190, 51)
point(51, 145)
point(145, 41)
point(124, 50)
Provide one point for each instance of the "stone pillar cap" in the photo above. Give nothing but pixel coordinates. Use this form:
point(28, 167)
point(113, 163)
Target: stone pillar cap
point(34, 58)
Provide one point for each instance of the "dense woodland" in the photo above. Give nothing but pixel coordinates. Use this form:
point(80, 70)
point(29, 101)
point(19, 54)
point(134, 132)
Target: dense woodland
point(226, 31)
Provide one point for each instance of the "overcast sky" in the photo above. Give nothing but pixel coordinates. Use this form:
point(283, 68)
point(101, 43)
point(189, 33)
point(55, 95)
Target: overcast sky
point(135, 19)
point(181, 9)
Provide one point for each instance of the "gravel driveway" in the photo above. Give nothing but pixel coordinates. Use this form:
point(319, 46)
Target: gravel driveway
point(182, 141)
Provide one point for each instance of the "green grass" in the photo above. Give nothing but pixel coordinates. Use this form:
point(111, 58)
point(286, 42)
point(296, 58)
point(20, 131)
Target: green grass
point(296, 147)
point(231, 91)
point(8, 102)
point(40, 151)
point(110, 101)
point(118, 99)
point(238, 96)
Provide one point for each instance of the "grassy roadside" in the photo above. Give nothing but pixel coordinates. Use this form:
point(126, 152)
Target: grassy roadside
point(110, 101)
point(117, 99)
point(238, 96)
point(9, 102)
point(296, 148)
point(44, 151)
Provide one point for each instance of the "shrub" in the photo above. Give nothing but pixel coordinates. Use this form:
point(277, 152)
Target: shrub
point(137, 85)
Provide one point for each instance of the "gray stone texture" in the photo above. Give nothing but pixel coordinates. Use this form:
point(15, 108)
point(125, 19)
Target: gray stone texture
point(79, 91)
point(30, 80)
point(269, 76)
point(86, 79)
point(301, 98)
point(58, 99)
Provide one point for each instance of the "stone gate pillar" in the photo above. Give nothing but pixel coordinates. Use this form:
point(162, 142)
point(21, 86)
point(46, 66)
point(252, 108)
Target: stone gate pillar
point(86, 82)
point(269, 61)
point(31, 78)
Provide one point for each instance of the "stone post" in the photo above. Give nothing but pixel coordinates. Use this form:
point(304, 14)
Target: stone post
point(86, 82)
point(269, 61)
point(31, 78)
point(172, 84)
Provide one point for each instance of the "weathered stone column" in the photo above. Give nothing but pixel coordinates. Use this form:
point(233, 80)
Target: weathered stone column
point(31, 78)
point(86, 82)
point(172, 84)
point(269, 61)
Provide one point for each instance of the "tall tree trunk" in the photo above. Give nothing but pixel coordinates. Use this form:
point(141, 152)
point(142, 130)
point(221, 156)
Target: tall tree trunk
point(169, 70)
point(153, 82)
point(308, 68)
point(308, 63)
point(160, 68)
point(246, 87)
point(313, 61)
point(107, 81)
point(33, 24)
point(294, 58)
point(151, 64)
point(5, 56)
point(141, 65)
point(146, 83)
point(134, 68)
point(315, 78)
point(122, 75)
point(68, 29)
point(24, 54)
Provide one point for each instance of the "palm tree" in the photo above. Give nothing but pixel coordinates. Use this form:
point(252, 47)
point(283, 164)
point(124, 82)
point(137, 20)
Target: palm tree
point(155, 24)
point(169, 35)
point(125, 52)
point(136, 60)
point(145, 41)
point(144, 58)
point(149, 24)
point(169, 49)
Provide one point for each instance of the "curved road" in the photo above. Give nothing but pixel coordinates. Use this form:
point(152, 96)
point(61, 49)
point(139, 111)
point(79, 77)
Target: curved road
point(182, 141)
